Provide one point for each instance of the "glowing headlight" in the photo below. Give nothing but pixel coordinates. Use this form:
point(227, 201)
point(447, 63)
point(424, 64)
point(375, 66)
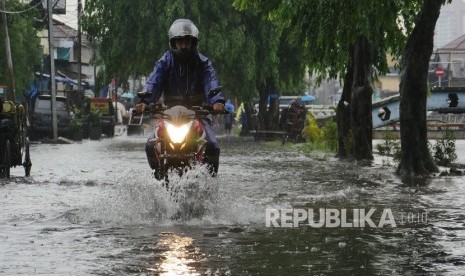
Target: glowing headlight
point(177, 134)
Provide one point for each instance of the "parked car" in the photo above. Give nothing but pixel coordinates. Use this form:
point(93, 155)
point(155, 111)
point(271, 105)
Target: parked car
point(41, 117)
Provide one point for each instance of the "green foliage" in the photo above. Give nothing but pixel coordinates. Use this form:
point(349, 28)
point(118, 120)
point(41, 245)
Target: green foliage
point(390, 146)
point(444, 149)
point(317, 138)
point(94, 117)
point(330, 135)
point(327, 28)
point(247, 51)
point(77, 123)
point(78, 119)
point(125, 31)
point(24, 45)
point(311, 132)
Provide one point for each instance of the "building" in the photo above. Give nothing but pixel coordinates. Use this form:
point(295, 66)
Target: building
point(451, 58)
point(449, 42)
point(450, 24)
point(65, 53)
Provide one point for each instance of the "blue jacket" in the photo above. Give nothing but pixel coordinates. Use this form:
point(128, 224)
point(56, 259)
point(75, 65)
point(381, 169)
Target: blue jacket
point(187, 84)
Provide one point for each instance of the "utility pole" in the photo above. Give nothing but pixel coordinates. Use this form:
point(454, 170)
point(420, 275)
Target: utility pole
point(79, 45)
point(53, 93)
point(11, 94)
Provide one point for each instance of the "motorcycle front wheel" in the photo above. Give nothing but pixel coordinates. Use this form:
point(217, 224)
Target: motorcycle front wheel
point(159, 174)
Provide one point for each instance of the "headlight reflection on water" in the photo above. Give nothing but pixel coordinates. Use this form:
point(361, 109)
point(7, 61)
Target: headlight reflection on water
point(178, 256)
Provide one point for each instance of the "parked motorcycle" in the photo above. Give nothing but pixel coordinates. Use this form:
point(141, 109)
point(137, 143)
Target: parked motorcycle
point(180, 139)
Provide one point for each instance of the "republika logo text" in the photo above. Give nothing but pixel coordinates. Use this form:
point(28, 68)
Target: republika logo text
point(332, 218)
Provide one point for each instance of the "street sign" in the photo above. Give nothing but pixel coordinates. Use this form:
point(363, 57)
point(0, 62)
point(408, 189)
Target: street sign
point(439, 71)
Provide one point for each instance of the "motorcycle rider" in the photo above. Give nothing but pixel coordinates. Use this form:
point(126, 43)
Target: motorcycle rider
point(185, 77)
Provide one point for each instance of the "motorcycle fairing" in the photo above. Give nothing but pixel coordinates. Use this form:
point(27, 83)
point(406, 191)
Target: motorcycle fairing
point(190, 149)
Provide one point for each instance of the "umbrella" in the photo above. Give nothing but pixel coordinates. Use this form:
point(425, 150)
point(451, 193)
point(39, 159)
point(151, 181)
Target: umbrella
point(308, 98)
point(127, 95)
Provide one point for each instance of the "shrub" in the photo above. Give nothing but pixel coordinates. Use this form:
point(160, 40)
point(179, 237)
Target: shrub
point(319, 139)
point(390, 146)
point(330, 135)
point(311, 132)
point(444, 149)
point(94, 117)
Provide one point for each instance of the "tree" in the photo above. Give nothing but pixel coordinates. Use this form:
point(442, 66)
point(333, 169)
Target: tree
point(248, 52)
point(25, 46)
point(415, 156)
point(379, 27)
point(337, 47)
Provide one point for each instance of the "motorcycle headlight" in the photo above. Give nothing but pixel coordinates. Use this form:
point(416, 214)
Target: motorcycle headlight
point(177, 133)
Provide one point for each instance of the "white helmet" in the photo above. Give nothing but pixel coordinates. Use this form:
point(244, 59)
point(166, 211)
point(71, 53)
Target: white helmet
point(182, 28)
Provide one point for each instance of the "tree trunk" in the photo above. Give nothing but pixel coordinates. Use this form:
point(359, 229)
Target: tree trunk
point(262, 109)
point(343, 113)
point(251, 117)
point(360, 109)
point(272, 118)
point(268, 115)
point(415, 156)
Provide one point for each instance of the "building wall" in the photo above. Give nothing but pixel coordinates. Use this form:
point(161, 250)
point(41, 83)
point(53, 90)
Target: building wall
point(389, 83)
point(67, 44)
point(450, 24)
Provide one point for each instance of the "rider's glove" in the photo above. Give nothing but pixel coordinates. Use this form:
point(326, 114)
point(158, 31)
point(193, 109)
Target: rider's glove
point(218, 107)
point(140, 107)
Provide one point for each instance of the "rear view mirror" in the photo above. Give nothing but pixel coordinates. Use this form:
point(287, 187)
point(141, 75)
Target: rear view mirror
point(143, 94)
point(214, 91)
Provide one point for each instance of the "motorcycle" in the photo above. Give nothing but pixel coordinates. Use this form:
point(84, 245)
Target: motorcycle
point(14, 143)
point(179, 140)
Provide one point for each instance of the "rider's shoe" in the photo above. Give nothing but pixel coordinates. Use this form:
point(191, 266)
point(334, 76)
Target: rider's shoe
point(213, 169)
point(158, 174)
point(212, 159)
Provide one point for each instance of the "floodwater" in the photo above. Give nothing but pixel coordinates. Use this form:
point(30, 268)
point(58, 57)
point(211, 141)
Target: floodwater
point(92, 208)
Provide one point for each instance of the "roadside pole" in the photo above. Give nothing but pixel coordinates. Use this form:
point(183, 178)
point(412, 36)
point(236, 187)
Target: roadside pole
point(79, 58)
point(11, 92)
point(439, 71)
point(52, 70)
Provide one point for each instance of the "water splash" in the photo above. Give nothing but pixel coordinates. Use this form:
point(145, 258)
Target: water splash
point(192, 198)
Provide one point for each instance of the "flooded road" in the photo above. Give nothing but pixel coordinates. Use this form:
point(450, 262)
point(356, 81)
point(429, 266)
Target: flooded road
point(92, 208)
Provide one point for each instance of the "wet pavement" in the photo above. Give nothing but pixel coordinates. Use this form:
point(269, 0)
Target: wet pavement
point(92, 208)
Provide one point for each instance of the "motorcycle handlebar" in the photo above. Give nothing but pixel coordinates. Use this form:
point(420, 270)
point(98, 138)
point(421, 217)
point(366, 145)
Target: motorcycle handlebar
point(200, 110)
point(151, 108)
point(208, 109)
